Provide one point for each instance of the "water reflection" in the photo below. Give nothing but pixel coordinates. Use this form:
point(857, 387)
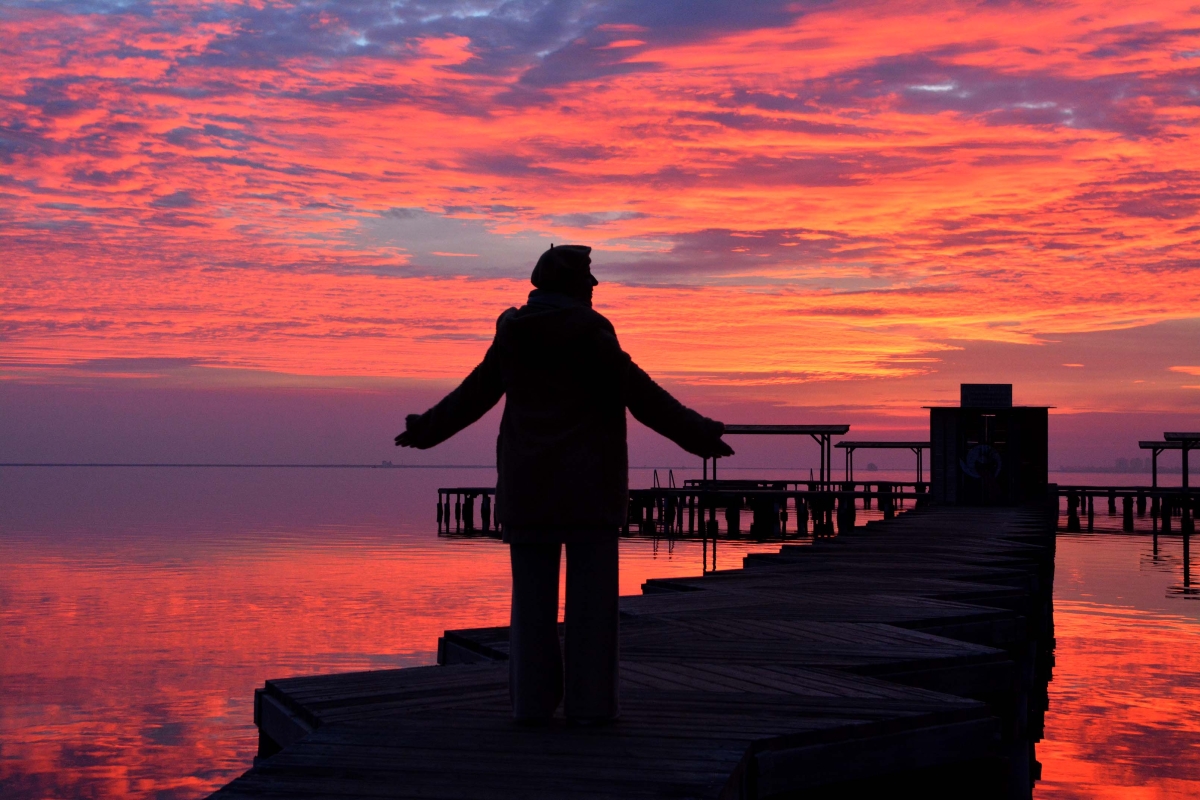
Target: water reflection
point(1124, 718)
point(141, 608)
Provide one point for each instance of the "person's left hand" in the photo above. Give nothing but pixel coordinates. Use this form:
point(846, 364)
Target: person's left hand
point(407, 439)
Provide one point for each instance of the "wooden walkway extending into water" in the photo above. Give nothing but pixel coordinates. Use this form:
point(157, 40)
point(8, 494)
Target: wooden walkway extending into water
point(907, 656)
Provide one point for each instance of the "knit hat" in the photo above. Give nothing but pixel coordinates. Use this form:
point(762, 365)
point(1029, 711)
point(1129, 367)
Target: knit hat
point(565, 268)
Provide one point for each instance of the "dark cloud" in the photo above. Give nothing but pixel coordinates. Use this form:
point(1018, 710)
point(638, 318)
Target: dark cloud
point(180, 199)
point(725, 251)
point(1137, 39)
point(546, 42)
point(96, 177)
point(924, 84)
point(1158, 206)
point(58, 97)
point(758, 122)
point(509, 166)
point(581, 153)
point(1159, 194)
point(593, 220)
point(822, 169)
point(18, 138)
point(141, 366)
point(210, 135)
point(799, 170)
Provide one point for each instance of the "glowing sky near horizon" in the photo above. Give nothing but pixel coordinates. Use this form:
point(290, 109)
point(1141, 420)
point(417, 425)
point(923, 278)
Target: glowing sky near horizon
point(809, 190)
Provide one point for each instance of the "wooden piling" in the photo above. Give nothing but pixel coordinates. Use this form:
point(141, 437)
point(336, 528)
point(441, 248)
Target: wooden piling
point(1072, 512)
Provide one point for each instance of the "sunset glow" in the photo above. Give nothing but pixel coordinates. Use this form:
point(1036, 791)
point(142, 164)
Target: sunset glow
point(816, 193)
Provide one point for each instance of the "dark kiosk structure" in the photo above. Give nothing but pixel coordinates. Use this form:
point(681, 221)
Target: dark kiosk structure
point(987, 451)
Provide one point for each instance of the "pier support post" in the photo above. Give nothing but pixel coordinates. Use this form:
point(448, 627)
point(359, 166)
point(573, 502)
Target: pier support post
point(1072, 512)
point(485, 512)
point(1091, 513)
point(1187, 559)
point(469, 512)
point(845, 512)
point(733, 516)
point(801, 516)
point(1127, 514)
point(1141, 503)
point(825, 514)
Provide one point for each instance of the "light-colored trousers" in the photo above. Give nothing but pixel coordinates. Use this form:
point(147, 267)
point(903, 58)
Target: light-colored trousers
point(536, 674)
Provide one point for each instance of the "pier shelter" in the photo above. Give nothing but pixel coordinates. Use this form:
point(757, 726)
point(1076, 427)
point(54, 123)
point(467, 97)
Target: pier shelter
point(1187, 442)
point(916, 447)
point(1184, 442)
point(987, 452)
point(821, 434)
point(1156, 449)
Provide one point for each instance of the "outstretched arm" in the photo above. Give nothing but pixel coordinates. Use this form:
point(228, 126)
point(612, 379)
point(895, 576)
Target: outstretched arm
point(481, 390)
point(654, 407)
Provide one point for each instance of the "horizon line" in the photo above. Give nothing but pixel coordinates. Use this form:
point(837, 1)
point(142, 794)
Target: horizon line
point(223, 465)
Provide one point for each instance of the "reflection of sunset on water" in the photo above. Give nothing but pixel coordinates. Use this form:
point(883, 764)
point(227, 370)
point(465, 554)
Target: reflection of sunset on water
point(1124, 717)
point(149, 604)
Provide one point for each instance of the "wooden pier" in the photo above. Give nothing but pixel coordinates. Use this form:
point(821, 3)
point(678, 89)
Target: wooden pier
point(907, 656)
point(708, 508)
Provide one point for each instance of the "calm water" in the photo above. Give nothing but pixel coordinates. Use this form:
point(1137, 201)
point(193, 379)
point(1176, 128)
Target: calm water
point(141, 607)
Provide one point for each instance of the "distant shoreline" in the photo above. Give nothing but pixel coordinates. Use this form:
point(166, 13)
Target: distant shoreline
point(252, 466)
point(1176, 470)
point(1169, 470)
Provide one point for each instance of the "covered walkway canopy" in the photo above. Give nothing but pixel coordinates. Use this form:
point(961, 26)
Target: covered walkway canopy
point(821, 434)
point(1182, 441)
point(916, 447)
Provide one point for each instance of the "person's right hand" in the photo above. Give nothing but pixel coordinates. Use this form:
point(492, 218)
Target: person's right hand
point(718, 449)
point(721, 449)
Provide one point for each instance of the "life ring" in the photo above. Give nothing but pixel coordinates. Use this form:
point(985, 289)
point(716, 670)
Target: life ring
point(982, 460)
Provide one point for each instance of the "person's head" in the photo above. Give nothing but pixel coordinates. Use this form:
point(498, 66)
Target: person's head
point(566, 269)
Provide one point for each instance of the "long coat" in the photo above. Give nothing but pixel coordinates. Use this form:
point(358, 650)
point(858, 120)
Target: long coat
point(561, 457)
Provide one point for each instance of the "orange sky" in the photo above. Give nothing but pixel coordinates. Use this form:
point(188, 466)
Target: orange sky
point(777, 195)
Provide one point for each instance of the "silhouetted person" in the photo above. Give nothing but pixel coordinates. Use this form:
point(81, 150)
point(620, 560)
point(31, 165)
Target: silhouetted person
point(563, 477)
